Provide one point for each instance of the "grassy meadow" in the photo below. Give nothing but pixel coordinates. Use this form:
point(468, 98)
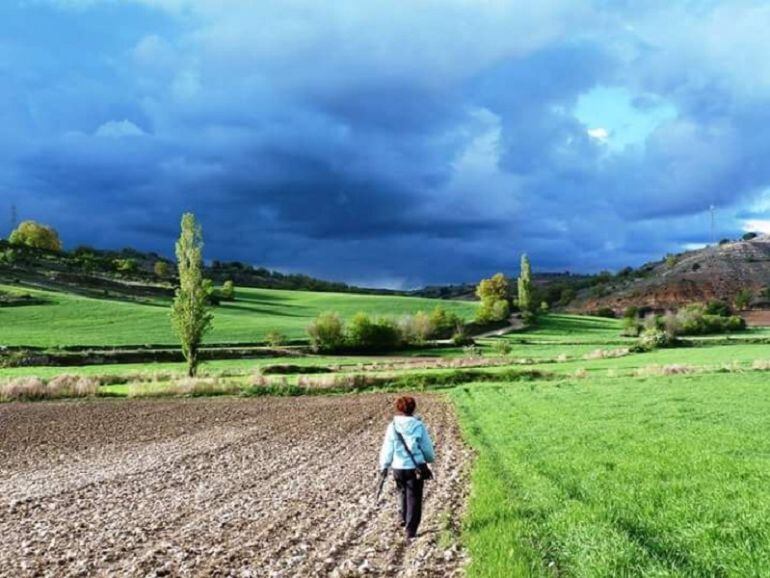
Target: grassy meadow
point(68, 320)
point(592, 460)
point(664, 476)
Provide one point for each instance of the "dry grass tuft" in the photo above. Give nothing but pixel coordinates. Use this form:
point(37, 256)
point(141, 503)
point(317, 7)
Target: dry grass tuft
point(185, 387)
point(662, 370)
point(34, 388)
point(761, 364)
point(607, 353)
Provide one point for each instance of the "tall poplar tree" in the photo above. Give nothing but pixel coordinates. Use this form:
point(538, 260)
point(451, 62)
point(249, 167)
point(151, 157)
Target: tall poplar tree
point(190, 313)
point(525, 284)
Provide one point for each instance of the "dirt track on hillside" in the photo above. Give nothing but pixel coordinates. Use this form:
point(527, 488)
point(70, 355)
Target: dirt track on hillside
point(216, 487)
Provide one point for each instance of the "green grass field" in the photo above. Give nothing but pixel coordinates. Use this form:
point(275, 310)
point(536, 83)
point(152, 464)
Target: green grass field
point(627, 477)
point(68, 319)
point(592, 471)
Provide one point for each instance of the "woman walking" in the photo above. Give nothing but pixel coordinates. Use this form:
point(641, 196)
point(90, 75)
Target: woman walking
point(407, 449)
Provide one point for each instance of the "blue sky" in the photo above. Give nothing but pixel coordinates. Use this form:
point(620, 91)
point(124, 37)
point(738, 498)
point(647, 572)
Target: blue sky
point(394, 144)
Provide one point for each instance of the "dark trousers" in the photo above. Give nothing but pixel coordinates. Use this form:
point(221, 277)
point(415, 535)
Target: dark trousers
point(410, 491)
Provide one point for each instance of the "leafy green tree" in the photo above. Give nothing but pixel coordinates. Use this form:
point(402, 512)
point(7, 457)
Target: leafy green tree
point(525, 285)
point(190, 313)
point(161, 269)
point(495, 296)
point(33, 234)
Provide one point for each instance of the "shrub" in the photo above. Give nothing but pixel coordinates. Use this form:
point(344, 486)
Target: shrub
point(655, 339)
point(671, 324)
point(695, 320)
point(367, 334)
point(124, 265)
point(461, 338)
point(161, 269)
point(743, 299)
point(326, 332)
point(632, 327)
point(716, 307)
point(502, 347)
point(444, 322)
point(415, 329)
point(227, 292)
point(631, 312)
point(275, 338)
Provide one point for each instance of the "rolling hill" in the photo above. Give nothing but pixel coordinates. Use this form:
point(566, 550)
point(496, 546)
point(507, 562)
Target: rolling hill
point(59, 319)
point(715, 272)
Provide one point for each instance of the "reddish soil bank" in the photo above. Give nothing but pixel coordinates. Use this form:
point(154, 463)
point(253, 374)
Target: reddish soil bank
point(217, 487)
point(757, 318)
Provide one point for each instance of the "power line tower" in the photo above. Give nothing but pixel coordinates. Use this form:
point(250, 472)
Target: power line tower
point(14, 217)
point(712, 209)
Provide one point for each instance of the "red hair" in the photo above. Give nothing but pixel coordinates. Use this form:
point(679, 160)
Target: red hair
point(406, 405)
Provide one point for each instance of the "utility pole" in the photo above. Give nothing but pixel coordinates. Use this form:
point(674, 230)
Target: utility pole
point(14, 218)
point(712, 208)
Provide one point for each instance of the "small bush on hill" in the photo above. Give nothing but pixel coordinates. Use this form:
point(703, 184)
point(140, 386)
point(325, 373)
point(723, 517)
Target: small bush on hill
point(694, 320)
point(444, 322)
point(275, 338)
point(717, 307)
point(227, 292)
point(326, 332)
point(125, 265)
point(161, 269)
point(743, 299)
point(461, 338)
point(632, 326)
point(655, 339)
point(416, 329)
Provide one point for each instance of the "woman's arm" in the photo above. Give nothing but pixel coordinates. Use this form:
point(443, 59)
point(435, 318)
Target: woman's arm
point(426, 445)
point(386, 453)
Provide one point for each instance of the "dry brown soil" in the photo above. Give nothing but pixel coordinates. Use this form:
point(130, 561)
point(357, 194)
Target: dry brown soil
point(217, 487)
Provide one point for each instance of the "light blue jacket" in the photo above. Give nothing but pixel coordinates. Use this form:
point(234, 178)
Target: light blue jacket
point(415, 434)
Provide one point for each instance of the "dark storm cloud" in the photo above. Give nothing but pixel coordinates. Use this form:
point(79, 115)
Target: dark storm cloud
point(401, 146)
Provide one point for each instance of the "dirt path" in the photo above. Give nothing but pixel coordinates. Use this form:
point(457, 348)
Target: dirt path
point(216, 487)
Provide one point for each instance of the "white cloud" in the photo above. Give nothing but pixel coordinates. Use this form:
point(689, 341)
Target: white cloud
point(118, 129)
point(757, 226)
point(599, 133)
